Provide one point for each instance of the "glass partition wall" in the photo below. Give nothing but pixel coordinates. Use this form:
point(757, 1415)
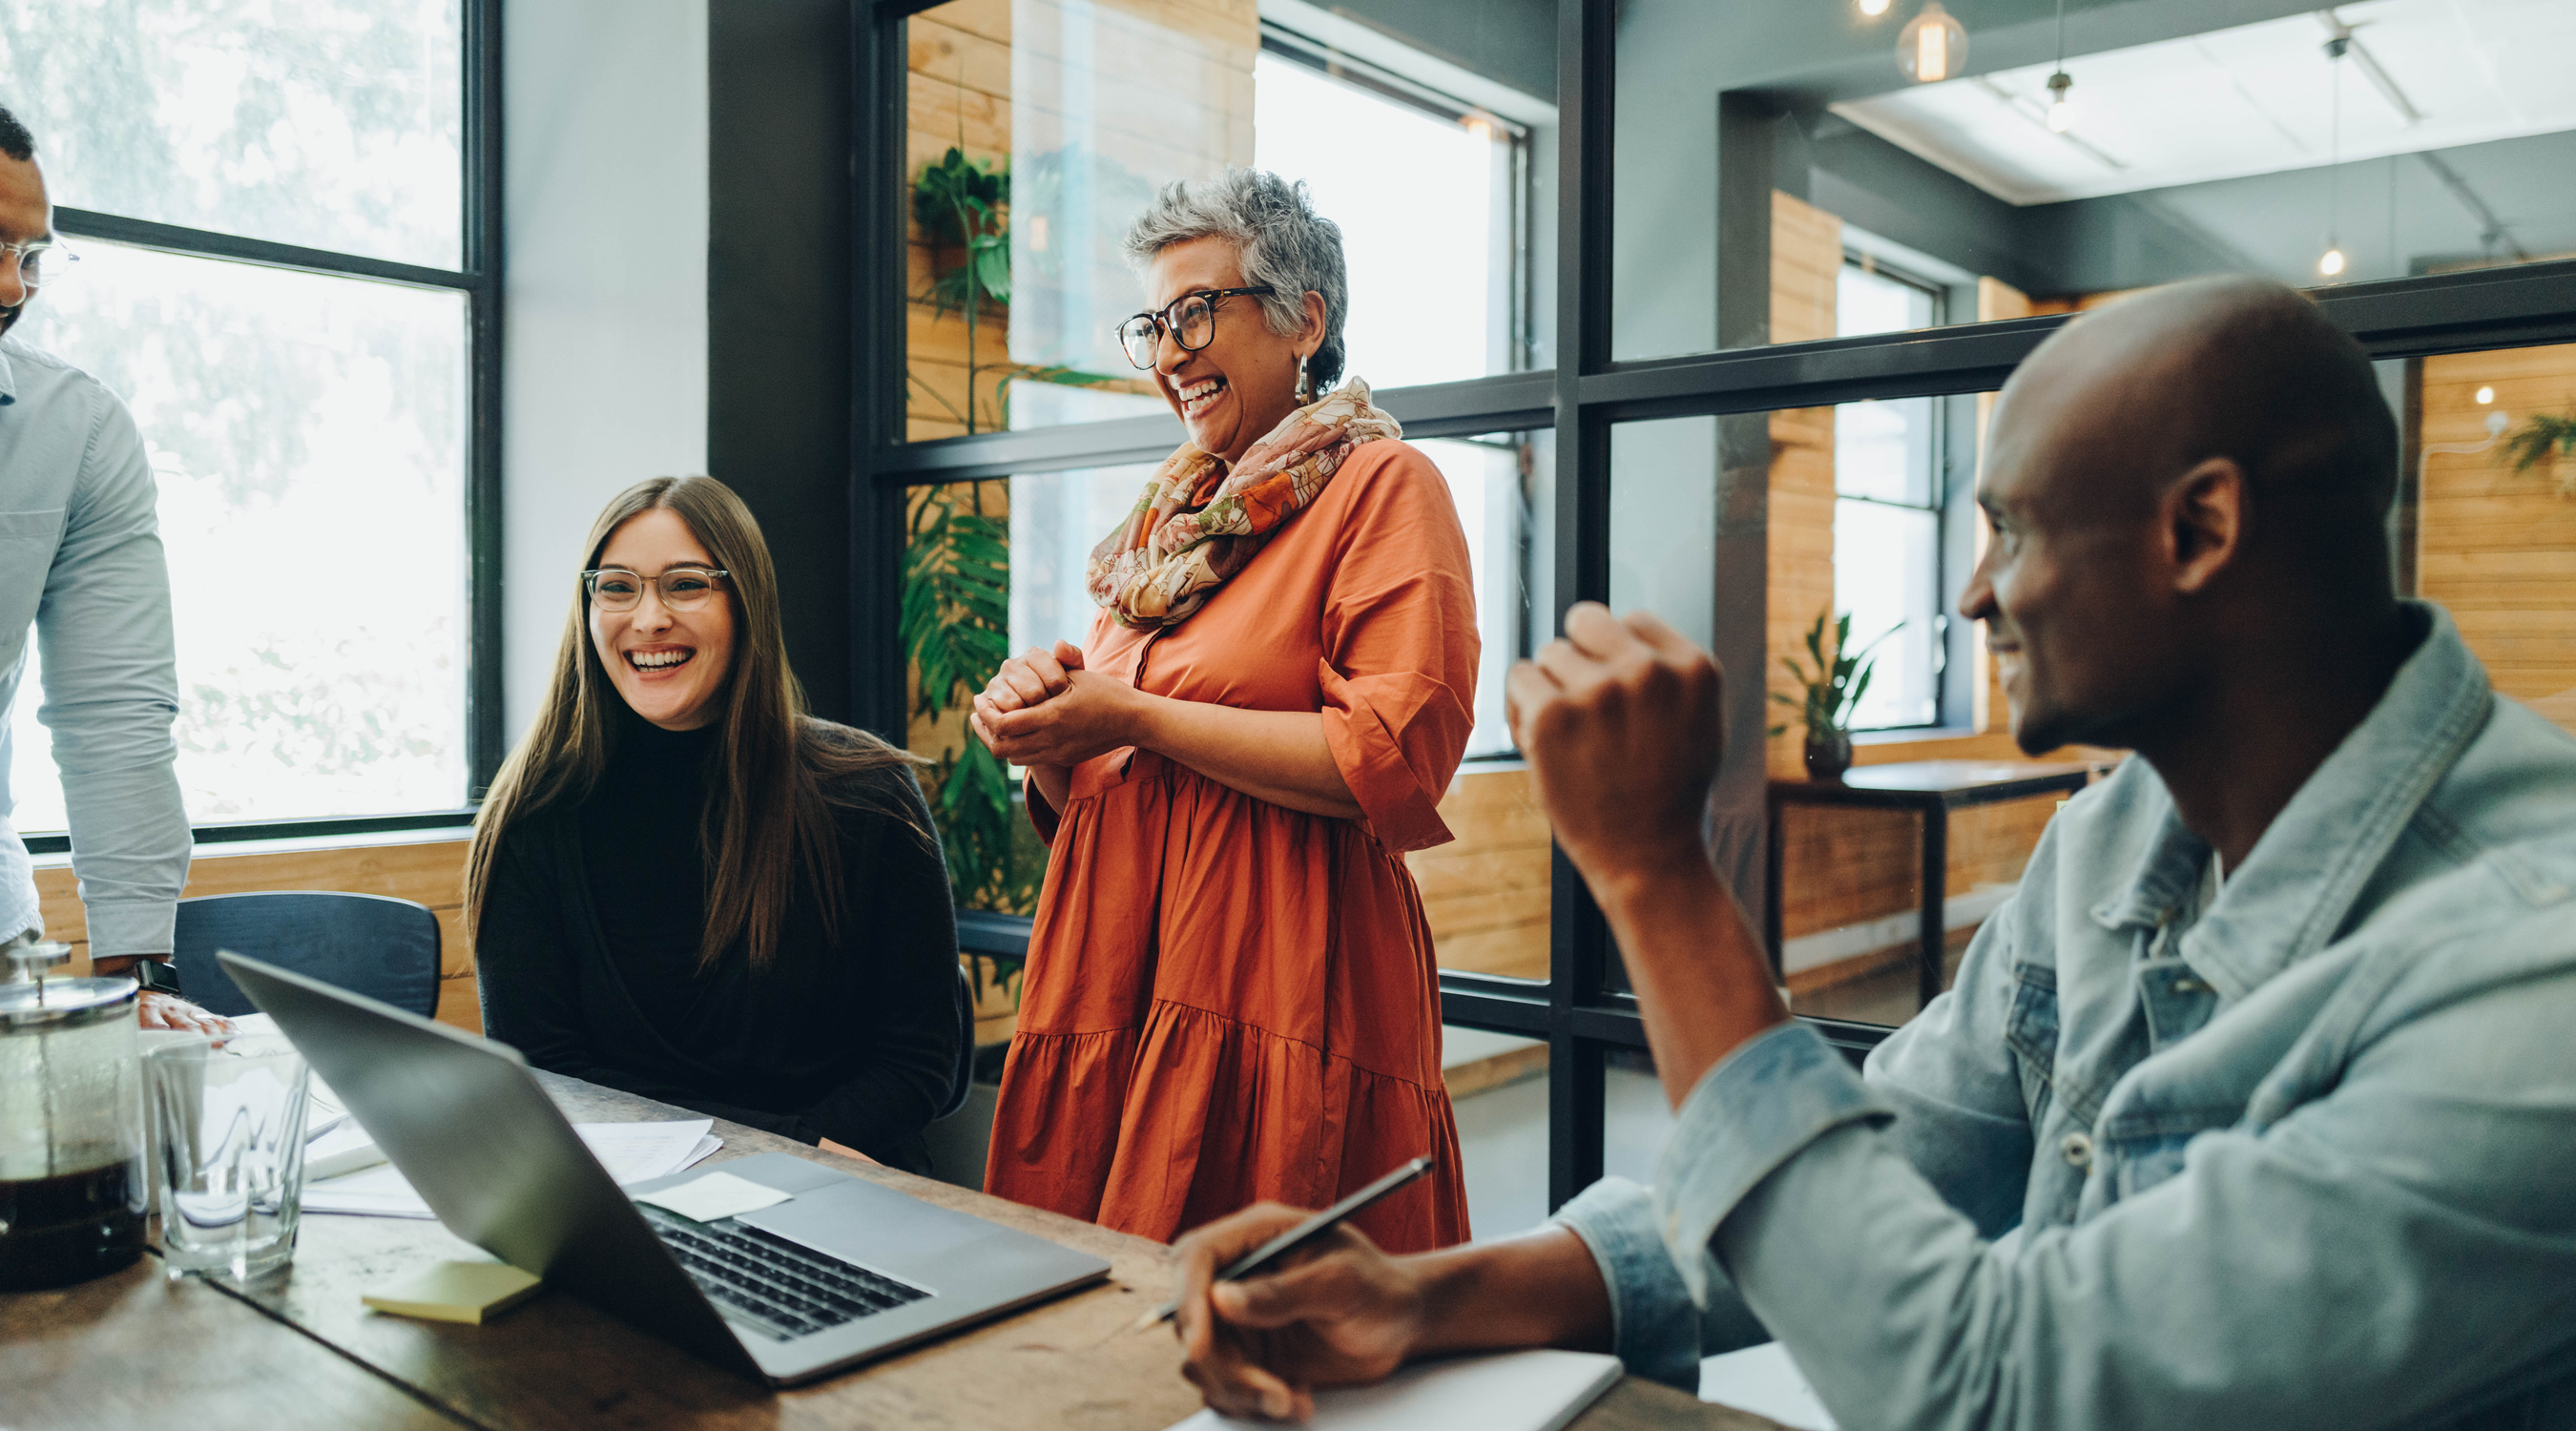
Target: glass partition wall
point(1697, 305)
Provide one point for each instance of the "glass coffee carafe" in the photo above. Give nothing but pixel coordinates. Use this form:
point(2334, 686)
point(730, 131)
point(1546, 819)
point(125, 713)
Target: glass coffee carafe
point(72, 1189)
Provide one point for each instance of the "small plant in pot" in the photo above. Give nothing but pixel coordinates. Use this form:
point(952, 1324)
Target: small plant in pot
point(1832, 692)
point(2546, 439)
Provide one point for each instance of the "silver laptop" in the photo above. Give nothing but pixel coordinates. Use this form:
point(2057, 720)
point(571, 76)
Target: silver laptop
point(844, 1270)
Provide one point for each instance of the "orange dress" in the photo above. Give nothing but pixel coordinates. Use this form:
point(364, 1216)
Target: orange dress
point(1227, 1000)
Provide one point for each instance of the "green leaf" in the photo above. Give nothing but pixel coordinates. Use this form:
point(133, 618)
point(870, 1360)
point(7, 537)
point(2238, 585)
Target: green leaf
point(955, 628)
point(1851, 702)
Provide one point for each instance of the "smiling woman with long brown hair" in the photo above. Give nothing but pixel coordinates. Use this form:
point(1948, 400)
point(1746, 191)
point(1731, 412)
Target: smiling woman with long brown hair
point(683, 886)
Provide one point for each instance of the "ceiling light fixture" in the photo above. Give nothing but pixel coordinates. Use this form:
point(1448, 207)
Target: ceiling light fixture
point(2485, 396)
point(2372, 70)
point(1932, 47)
point(2061, 110)
point(1873, 8)
point(2332, 262)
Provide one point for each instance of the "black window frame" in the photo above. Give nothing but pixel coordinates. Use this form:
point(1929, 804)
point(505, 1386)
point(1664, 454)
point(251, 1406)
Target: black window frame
point(479, 279)
point(1579, 1012)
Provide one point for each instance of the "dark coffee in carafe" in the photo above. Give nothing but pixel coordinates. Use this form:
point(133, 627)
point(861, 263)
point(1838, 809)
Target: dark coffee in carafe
point(70, 1227)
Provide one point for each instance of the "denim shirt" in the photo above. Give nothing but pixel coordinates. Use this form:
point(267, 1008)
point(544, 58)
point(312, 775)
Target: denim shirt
point(2307, 1160)
point(81, 566)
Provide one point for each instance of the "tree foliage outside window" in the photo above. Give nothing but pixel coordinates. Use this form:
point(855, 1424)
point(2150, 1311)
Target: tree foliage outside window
point(308, 433)
point(334, 124)
point(307, 437)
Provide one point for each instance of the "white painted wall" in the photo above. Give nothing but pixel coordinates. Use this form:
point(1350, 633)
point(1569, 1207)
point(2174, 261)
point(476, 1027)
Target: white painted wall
point(605, 337)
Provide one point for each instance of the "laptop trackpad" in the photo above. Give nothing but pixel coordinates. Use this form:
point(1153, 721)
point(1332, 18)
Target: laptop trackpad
point(868, 1224)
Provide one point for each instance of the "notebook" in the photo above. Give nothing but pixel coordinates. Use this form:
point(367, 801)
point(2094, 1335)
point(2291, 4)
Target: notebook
point(1512, 1391)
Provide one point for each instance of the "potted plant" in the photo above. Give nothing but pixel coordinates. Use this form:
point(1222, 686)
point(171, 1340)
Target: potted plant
point(2546, 437)
point(1832, 692)
point(955, 630)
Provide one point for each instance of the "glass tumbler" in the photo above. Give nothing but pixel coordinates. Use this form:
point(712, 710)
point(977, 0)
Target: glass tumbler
point(228, 1127)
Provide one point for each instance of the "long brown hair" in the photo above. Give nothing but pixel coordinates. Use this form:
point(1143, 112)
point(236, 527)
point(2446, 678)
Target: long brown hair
point(777, 772)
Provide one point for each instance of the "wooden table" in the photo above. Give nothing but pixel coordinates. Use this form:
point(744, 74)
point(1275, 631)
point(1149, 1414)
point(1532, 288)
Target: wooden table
point(1932, 788)
point(298, 1350)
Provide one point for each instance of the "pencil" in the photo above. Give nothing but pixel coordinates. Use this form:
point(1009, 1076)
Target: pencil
point(1298, 1236)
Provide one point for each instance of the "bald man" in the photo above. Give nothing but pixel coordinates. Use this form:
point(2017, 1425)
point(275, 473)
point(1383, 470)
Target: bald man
point(2255, 1107)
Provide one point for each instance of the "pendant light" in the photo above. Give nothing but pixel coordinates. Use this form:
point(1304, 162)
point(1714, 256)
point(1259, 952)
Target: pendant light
point(1873, 8)
point(2332, 261)
point(2061, 110)
point(1932, 47)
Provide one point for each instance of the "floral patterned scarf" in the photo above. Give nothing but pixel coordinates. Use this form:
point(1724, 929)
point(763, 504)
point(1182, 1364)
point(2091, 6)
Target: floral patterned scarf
point(1198, 524)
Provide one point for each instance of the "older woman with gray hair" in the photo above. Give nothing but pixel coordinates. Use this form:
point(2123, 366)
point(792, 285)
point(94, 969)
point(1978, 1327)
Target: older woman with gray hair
point(1230, 993)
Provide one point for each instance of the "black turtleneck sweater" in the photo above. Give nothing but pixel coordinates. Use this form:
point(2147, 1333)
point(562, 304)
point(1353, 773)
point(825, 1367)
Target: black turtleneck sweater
point(589, 950)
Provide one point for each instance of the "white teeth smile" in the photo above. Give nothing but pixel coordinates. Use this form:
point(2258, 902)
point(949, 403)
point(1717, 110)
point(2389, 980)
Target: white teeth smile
point(1198, 395)
point(657, 660)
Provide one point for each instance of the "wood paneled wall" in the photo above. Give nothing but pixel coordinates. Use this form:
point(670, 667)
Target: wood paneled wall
point(430, 872)
point(2498, 547)
point(1844, 867)
point(1485, 894)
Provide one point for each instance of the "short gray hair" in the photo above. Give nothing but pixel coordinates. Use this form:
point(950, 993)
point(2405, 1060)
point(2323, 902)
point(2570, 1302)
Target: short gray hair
point(1283, 242)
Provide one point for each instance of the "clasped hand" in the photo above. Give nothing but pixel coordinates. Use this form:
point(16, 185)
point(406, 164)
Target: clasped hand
point(1043, 709)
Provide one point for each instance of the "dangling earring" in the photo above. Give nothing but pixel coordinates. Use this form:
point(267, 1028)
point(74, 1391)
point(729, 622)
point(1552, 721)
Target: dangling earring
point(1305, 388)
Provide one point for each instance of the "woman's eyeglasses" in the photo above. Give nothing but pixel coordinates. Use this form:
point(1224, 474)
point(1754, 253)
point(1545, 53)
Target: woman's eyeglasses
point(1190, 319)
point(683, 588)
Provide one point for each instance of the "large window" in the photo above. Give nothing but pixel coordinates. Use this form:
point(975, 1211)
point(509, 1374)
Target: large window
point(286, 274)
point(1846, 271)
point(1887, 512)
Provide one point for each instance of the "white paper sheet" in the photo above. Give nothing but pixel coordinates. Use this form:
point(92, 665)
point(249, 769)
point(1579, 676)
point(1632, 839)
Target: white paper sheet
point(1515, 1391)
point(339, 1150)
point(715, 1195)
point(632, 1153)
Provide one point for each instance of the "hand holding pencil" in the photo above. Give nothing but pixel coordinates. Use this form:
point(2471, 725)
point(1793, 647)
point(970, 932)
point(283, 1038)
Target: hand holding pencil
point(1327, 1308)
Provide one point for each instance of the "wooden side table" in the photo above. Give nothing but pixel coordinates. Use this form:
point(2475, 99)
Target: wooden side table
point(1934, 788)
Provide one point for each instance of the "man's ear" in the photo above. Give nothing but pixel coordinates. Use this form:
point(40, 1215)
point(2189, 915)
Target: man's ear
point(2205, 520)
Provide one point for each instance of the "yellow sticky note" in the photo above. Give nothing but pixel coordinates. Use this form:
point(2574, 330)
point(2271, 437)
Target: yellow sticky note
point(470, 1292)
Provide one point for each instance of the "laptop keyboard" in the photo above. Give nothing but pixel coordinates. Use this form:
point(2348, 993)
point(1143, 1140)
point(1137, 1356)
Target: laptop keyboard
point(771, 1283)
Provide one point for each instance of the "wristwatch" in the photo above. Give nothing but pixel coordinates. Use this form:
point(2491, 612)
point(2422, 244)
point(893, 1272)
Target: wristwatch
point(157, 976)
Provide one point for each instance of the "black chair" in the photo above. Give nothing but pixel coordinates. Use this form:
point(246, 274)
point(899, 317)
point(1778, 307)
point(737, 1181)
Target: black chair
point(963, 1077)
point(369, 944)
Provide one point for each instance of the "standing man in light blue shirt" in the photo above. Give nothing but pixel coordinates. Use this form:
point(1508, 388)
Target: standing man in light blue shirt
point(81, 567)
point(2256, 1106)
